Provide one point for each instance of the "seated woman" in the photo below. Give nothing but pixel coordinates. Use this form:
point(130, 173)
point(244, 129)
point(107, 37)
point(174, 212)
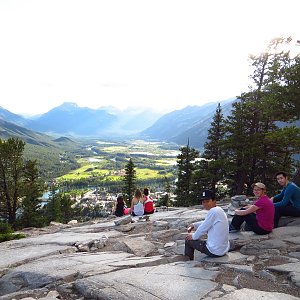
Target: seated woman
point(137, 204)
point(259, 217)
point(148, 203)
point(119, 206)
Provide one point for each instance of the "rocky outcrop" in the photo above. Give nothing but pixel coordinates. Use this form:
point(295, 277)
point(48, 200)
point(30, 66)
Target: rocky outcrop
point(136, 258)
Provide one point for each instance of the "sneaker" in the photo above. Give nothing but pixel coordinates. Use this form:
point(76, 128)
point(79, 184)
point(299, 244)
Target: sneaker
point(232, 245)
point(232, 229)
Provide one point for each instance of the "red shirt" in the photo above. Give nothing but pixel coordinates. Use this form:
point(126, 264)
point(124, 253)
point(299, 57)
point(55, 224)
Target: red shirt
point(148, 204)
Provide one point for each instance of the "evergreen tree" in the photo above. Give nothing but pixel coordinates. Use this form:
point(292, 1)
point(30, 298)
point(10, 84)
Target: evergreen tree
point(255, 143)
point(165, 199)
point(201, 180)
point(11, 172)
point(214, 151)
point(31, 203)
point(66, 207)
point(186, 166)
point(129, 181)
point(53, 208)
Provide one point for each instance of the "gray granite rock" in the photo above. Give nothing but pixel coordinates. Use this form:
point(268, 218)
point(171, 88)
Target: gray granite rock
point(170, 281)
point(122, 266)
point(246, 294)
point(293, 269)
point(140, 247)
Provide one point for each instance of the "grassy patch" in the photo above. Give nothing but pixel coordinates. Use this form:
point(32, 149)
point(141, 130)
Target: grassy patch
point(11, 236)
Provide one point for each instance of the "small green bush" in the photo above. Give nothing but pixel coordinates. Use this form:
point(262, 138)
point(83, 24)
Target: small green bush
point(5, 228)
point(11, 236)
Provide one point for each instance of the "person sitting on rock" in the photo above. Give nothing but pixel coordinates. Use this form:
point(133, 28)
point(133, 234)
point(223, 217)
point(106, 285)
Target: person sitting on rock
point(258, 217)
point(137, 204)
point(287, 203)
point(119, 206)
point(215, 226)
point(148, 203)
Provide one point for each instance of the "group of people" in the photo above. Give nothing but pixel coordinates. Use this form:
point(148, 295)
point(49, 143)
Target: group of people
point(141, 204)
point(260, 217)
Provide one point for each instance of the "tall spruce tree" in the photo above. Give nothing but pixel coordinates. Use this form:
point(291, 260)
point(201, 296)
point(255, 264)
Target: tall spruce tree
point(33, 189)
point(53, 208)
point(129, 181)
point(256, 145)
point(186, 166)
point(214, 151)
point(66, 207)
point(11, 175)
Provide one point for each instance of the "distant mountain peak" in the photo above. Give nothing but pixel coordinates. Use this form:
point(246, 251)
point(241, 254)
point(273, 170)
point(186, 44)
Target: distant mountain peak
point(67, 106)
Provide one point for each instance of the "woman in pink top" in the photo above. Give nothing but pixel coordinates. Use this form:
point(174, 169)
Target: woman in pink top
point(259, 216)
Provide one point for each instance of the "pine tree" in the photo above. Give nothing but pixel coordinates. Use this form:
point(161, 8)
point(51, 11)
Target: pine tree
point(255, 143)
point(11, 172)
point(165, 199)
point(53, 208)
point(31, 203)
point(66, 207)
point(186, 166)
point(214, 151)
point(129, 181)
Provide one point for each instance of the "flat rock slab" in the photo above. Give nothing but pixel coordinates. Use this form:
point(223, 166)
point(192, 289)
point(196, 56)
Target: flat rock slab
point(246, 294)
point(171, 281)
point(139, 246)
point(295, 254)
point(67, 237)
point(50, 269)
point(230, 257)
point(22, 254)
point(103, 226)
point(293, 269)
point(293, 239)
point(283, 232)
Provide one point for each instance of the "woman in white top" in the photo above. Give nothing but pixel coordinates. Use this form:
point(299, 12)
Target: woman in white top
point(137, 204)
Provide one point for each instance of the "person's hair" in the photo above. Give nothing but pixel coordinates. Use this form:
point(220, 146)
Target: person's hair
point(281, 173)
point(120, 199)
point(146, 192)
point(138, 194)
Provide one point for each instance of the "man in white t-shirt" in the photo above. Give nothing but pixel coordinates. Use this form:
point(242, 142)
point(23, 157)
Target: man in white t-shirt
point(215, 226)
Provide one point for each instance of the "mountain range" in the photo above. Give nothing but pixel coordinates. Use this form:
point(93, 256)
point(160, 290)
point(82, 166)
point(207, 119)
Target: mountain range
point(191, 122)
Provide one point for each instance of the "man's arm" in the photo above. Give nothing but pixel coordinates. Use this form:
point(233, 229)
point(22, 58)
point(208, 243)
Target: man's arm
point(203, 227)
point(278, 197)
point(287, 193)
point(249, 210)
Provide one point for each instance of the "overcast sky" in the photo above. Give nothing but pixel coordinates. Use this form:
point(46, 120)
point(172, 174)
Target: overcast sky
point(157, 53)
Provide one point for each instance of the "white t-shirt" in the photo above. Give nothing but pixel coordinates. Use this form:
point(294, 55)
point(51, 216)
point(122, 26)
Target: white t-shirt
point(138, 208)
point(216, 227)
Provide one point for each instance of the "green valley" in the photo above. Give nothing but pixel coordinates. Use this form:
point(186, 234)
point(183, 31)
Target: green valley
point(103, 162)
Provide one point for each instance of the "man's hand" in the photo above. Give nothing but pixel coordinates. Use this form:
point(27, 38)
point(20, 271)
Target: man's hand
point(189, 237)
point(190, 228)
point(238, 212)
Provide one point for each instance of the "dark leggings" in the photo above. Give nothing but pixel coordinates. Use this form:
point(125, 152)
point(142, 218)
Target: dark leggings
point(251, 223)
point(285, 211)
point(191, 245)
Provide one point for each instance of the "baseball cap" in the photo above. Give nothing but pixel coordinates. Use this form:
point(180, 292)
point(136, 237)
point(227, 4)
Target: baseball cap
point(259, 185)
point(207, 194)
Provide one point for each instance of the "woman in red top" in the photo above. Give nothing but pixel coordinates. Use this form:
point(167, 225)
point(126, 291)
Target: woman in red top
point(148, 203)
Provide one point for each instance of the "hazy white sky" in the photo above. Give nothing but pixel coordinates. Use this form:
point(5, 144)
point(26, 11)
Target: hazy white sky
point(159, 53)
